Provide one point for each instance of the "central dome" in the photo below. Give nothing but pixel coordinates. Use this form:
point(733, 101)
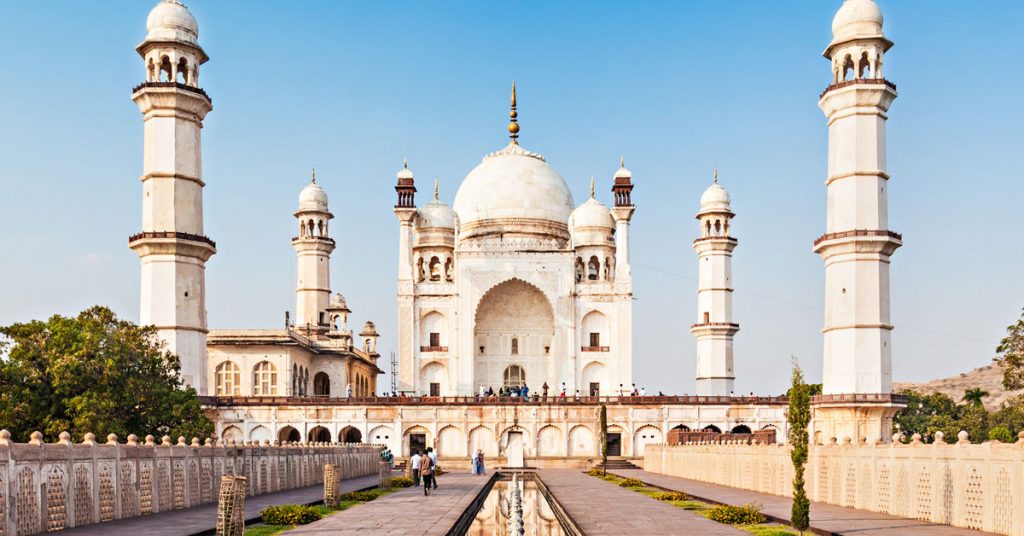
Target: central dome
point(513, 191)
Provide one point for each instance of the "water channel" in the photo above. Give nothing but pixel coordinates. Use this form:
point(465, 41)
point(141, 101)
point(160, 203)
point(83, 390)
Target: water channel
point(538, 517)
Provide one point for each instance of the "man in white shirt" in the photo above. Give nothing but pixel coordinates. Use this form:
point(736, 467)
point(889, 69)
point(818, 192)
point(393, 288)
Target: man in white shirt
point(415, 462)
point(433, 458)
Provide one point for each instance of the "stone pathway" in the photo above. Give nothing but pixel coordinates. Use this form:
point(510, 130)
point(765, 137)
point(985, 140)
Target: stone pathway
point(406, 511)
point(602, 508)
point(202, 519)
point(825, 518)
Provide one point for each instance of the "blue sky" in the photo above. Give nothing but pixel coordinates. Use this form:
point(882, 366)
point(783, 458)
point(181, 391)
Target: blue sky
point(677, 87)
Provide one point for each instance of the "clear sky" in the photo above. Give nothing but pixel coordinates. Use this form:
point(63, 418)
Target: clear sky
point(677, 87)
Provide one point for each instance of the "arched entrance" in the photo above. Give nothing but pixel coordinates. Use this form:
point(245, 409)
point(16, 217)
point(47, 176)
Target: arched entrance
point(741, 429)
point(289, 434)
point(322, 384)
point(320, 434)
point(513, 327)
point(350, 434)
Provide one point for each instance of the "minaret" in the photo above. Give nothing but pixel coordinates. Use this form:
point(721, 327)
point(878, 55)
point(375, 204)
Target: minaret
point(714, 329)
point(405, 211)
point(622, 188)
point(171, 246)
point(313, 247)
point(857, 244)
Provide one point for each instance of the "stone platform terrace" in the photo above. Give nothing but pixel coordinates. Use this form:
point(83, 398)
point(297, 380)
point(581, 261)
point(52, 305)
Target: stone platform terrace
point(601, 508)
point(406, 511)
point(202, 519)
point(825, 518)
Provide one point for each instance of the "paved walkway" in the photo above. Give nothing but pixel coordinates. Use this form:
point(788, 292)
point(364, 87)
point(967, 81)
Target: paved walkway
point(404, 512)
point(202, 519)
point(601, 508)
point(825, 518)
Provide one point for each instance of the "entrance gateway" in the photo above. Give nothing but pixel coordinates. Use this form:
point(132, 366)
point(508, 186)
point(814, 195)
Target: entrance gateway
point(614, 444)
point(514, 450)
point(417, 442)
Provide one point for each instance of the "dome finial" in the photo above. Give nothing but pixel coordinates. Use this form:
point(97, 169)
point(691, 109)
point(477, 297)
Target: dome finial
point(435, 189)
point(622, 161)
point(716, 174)
point(405, 163)
point(591, 186)
point(314, 174)
point(513, 126)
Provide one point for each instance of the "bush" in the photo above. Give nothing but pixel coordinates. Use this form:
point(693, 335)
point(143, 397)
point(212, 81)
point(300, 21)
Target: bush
point(289, 514)
point(361, 496)
point(748, 514)
point(1000, 434)
point(671, 496)
point(438, 471)
point(401, 482)
point(631, 483)
point(595, 472)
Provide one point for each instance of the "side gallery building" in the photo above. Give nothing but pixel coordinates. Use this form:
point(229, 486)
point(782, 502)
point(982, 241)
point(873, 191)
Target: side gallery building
point(513, 284)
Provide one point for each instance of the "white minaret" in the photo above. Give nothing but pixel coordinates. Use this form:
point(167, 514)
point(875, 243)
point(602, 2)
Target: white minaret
point(857, 244)
point(313, 247)
point(714, 329)
point(172, 247)
point(405, 211)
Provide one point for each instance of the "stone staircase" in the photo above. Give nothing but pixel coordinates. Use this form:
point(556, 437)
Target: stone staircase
point(617, 464)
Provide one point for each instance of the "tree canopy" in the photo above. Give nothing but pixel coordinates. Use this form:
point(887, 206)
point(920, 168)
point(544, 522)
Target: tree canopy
point(1011, 355)
point(936, 412)
point(93, 373)
point(975, 396)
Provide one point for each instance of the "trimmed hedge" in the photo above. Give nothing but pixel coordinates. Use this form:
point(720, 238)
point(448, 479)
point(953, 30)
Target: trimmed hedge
point(289, 514)
point(631, 483)
point(401, 482)
point(748, 514)
point(671, 496)
point(362, 496)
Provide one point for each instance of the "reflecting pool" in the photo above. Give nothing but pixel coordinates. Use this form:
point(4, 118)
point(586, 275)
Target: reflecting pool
point(538, 518)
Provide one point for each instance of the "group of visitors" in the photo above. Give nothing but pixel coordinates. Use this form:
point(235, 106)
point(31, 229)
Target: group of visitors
point(387, 457)
point(424, 469)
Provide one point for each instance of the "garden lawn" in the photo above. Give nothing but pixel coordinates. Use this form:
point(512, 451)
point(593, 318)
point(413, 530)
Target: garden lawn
point(699, 507)
point(270, 530)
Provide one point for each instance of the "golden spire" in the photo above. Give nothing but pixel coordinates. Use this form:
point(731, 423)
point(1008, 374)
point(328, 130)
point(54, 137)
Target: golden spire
point(716, 174)
point(513, 126)
point(591, 186)
point(314, 174)
point(435, 189)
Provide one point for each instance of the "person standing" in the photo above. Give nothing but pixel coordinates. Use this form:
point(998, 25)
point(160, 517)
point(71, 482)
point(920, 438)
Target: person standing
point(433, 463)
point(415, 463)
point(348, 390)
point(480, 461)
point(427, 473)
point(525, 393)
point(545, 389)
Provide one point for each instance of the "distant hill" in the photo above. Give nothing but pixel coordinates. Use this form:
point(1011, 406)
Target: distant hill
point(989, 378)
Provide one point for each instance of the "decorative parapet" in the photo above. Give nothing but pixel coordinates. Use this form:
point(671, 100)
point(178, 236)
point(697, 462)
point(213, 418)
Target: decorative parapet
point(52, 486)
point(978, 487)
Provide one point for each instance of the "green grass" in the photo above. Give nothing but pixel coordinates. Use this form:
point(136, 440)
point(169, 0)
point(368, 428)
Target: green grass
point(271, 530)
point(701, 507)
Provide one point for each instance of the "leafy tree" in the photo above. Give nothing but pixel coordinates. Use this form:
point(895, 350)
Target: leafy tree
point(1011, 356)
point(975, 420)
point(799, 417)
point(975, 396)
point(93, 373)
point(604, 439)
point(1010, 415)
point(1000, 434)
point(946, 424)
point(922, 410)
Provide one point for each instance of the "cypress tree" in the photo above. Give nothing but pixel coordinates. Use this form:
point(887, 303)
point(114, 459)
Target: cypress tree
point(799, 417)
point(604, 439)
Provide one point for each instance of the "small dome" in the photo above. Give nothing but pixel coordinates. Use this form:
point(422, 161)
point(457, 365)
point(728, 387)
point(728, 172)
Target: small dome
point(435, 214)
point(857, 19)
point(338, 301)
point(369, 329)
point(513, 190)
point(715, 199)
point(170, 20)
point(622, 172)
point(313, 198)
point(405, 172)
point(592, 214)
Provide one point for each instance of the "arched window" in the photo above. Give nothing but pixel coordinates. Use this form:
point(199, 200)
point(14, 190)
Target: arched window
point(182, 72)
point(718, 227)
point(264, 379)
point(864, 68)
point(848, 68)
point(320, 227)
point(593, 269)
point(609, 269)
point(579, 269)
point(435, 269)
point(514, 376)
point(707, 227)
point(515, 346)
point(165, 69)
point(419, 270)
point(229, 379)
point(322, 384)
point(302, 228)
point(448, 275)
point(295, 379)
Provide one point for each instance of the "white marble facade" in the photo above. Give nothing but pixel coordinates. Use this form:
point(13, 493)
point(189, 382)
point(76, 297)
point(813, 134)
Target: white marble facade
point(514, 285)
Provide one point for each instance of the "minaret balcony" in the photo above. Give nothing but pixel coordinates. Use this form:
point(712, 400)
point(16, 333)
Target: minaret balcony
point(858, 81)
point(433, 348)
point(173, 243)
point(882, 241)
point(595, 349)
point(714, 328)
point(178, 85)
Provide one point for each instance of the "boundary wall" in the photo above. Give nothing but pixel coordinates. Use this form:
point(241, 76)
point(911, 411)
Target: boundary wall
point(972, 486)
point(52, 486)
